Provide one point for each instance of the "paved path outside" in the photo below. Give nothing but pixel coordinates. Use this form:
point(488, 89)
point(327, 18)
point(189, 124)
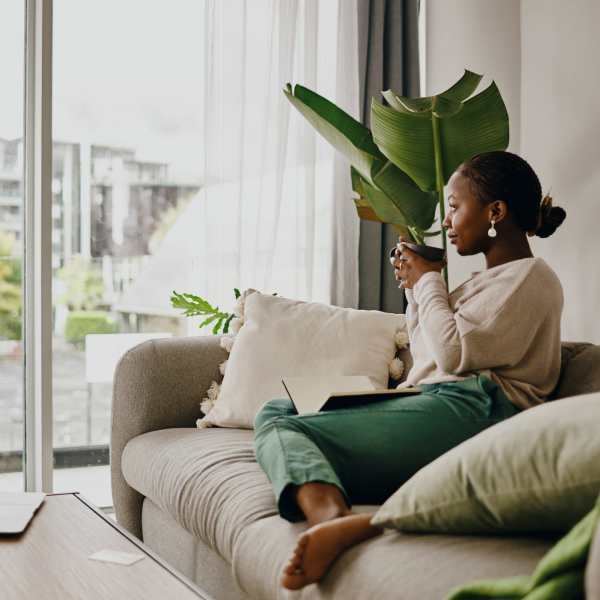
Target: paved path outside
point(70, 396)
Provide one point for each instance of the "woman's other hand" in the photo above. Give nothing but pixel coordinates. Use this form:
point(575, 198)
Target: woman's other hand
point(409, 267)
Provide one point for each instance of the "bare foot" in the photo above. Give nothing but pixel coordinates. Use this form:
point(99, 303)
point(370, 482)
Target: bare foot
point(320, 545)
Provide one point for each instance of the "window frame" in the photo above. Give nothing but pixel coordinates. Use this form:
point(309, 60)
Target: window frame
point(37, 288)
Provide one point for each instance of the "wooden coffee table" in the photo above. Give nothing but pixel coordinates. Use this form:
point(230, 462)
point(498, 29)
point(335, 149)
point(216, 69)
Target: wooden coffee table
point(50, 559)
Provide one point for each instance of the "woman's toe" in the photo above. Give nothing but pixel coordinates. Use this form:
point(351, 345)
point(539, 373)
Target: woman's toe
point(293, 582)
point(290, 568)
point(302, 540)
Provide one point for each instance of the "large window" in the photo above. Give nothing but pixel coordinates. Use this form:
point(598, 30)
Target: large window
point(173, 163)
point(12, 18)
point(126, 160)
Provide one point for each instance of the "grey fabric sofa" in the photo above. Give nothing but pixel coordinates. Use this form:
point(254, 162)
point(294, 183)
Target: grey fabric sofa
point(200, 500)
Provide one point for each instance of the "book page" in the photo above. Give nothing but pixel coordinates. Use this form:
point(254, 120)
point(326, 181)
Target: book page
point(310, 393)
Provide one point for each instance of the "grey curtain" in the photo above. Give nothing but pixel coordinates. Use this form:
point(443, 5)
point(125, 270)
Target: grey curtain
point(388, 59)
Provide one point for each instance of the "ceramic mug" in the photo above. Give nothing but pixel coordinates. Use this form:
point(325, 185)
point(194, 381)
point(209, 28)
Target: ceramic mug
point(430, 253)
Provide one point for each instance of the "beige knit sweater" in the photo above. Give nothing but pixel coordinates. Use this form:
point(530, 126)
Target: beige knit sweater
point(503, 322)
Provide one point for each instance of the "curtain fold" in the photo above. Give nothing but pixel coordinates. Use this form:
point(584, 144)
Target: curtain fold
point(275, 212)
point(389, 59)
point(346, 225)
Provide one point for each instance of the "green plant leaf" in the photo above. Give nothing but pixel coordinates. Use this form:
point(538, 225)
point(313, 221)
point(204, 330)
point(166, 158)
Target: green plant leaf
point(443, 107)
point(453, 96)
point(395, 199)
point(386, 211)
point(343, 132)
point(236, 293)
point(405, 104)
point(208, 321)
point(417, 206)
point(215, 329)
point(481, 126)
point(226, 325)
point(194, 305)
point(354, 140)
point(400, 168)
point(365, 211)
point(363, 206)
point(374, 205)
point(464, 87)
point(407, 139)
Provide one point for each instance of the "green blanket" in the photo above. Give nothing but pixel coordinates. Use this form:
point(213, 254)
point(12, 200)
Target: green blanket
point(560, 573)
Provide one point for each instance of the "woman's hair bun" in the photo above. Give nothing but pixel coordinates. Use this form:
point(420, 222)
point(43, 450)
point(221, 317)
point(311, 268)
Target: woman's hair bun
point(551, 217)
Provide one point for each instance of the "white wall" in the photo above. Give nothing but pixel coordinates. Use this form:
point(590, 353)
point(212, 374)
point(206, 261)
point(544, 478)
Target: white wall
point(483, 36)
point(544, 56)
point(560, 99)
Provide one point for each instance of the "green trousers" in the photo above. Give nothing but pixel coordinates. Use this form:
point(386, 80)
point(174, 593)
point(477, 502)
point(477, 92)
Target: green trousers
point(370, 450)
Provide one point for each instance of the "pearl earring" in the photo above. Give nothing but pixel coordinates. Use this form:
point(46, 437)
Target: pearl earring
point(491, 231)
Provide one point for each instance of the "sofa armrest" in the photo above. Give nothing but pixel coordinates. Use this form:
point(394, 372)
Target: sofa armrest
point(158, 384)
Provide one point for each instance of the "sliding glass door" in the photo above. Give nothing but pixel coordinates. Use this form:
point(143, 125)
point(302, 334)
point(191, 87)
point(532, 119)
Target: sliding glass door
point(125, 176)
point(126, 165)
point(126, 155)
point(12, 413)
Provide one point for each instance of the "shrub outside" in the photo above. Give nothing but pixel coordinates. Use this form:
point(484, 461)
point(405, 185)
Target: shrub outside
point(80, 323)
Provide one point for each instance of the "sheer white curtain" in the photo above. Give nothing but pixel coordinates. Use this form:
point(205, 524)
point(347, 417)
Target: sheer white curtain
point(276, 212)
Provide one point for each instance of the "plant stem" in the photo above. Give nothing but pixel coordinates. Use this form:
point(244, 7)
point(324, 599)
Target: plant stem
point(439, 184)
point(417, 237)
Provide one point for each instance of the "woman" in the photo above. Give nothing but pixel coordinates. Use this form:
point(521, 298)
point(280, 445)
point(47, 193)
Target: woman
point(482, 353)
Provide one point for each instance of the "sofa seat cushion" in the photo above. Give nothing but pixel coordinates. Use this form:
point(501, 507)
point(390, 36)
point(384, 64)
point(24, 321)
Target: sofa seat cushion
point(210, 484)
point(394, 566)
point(208, 480)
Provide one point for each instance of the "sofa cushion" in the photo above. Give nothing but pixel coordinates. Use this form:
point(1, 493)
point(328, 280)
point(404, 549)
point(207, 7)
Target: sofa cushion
point(537, 471)
point(207, 480)
point(580, 370)
point(394, 566)
point(282, 337)
point(209, 483)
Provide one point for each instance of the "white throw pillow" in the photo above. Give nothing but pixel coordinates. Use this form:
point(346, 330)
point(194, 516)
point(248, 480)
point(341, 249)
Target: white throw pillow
point(282, 337)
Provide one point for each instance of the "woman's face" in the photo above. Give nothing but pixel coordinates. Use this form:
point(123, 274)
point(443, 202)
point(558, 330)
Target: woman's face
point(467, 219)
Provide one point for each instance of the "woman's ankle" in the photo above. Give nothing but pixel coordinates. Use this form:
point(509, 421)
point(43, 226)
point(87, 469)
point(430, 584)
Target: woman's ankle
point(321, 502)
point(328, 513)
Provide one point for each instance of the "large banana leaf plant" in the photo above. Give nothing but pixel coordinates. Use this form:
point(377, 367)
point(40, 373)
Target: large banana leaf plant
point(399, 169)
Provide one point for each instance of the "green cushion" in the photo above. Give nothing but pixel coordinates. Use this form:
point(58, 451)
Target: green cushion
point(534, 472)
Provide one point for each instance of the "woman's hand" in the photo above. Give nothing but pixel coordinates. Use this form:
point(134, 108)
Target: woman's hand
point(409, 267)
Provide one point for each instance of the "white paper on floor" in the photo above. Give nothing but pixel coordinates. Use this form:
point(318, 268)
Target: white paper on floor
point(116, 557)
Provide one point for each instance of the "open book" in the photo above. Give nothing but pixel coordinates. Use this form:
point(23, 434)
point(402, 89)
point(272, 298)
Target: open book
point(329, 392)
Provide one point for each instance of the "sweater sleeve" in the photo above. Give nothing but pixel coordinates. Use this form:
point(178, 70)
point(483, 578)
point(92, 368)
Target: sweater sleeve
point(486, 332)
point(412, 312)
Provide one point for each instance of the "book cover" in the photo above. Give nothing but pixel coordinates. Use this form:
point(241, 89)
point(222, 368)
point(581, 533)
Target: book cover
point(330, 392)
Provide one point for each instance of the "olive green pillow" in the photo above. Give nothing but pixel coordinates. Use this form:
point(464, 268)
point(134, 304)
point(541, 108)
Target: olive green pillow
point(536, 471)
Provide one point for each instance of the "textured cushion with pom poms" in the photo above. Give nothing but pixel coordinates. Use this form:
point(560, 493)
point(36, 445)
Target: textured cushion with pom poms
point(274, 337)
